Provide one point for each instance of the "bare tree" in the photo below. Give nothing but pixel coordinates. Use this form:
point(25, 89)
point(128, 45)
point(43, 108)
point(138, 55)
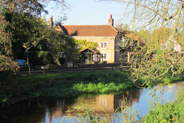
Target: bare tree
point(162, 53)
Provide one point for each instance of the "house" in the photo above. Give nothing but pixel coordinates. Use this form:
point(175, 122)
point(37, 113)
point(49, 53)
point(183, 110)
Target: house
point(172, 46)
point(171, 43)
point(107, 37)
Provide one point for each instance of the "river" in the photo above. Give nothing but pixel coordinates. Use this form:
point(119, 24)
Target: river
point(54, 111)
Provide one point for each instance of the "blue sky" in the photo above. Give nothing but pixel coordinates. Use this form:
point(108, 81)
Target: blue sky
point(89, 12)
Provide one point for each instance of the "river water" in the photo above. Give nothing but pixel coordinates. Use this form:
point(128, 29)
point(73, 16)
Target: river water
point(54, 111)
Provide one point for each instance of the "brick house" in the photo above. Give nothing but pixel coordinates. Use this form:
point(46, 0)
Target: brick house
point(107, 37)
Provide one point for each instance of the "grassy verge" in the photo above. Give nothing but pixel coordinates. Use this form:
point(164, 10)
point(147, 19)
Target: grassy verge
point(64, 85)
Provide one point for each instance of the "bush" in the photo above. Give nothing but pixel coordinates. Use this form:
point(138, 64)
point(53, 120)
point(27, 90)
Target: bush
point(8, 69)
point(7, 64)
point(40, 58)
point(62, 60)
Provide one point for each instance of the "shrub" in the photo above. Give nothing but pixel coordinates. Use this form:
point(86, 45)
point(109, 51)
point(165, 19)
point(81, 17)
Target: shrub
point(40, 57)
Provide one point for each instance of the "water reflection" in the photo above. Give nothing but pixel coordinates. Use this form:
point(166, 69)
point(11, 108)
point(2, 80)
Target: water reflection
point(100, 104)
point(51, 111)
point(108, 103)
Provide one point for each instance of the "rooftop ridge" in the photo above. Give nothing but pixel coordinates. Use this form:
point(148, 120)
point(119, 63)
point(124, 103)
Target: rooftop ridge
point(89, 30)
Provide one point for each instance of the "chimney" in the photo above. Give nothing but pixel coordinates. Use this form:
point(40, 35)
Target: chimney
point(51, 22)
point(111, 21)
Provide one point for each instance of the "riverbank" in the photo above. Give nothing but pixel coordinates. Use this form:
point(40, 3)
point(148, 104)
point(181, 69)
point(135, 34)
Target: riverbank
point(65, 85)
point(113, 107)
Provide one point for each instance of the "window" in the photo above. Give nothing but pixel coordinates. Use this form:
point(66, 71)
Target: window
point(104, 45)
point(104, 56)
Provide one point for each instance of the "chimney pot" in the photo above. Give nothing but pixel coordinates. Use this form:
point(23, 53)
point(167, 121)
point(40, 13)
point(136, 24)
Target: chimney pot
point(111, 20)
point(111, 16)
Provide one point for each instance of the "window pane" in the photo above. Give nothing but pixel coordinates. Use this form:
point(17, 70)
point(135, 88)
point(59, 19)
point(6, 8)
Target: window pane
point(105, 56)
point(105, 45)
point(102, 45)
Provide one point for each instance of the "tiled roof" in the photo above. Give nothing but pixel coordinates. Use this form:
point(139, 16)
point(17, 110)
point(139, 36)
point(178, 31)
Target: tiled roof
point(89, 30)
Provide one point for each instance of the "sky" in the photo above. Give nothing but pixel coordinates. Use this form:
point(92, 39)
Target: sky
point(88, 12)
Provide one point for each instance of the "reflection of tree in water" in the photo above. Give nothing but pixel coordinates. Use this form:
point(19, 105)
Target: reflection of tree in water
point(23, 112)
point(102, 104)
point(52, 111)
point(108, 103)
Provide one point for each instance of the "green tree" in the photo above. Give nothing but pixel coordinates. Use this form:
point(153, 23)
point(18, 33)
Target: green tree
point(83, 44)
point(34, 7)
point(145, 35)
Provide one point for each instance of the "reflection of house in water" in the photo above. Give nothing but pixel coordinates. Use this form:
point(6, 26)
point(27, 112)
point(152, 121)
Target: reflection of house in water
point(108, 103)
point(100, 104)
point(174, 87)
point(127, 99)
point(56, 111)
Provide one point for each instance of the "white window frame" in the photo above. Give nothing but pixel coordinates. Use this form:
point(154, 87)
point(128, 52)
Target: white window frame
point(104, 54)
point(102, 45)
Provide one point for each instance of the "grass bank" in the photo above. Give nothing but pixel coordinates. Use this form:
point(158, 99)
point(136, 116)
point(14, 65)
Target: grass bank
point(64, 85)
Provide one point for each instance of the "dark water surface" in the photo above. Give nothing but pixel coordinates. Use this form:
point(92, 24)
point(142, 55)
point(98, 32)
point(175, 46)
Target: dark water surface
point(54, 111)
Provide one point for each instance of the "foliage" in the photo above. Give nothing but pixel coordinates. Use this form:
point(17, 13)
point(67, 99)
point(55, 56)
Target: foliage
point(101, 87)
point(70, 49)
point(145, 35)
point(169, 112)
point(19, 22)
point(31, 34)
point(40, 57)
point(6, 64)
point(8, 69)
point(84, 115)
point(83, 44)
